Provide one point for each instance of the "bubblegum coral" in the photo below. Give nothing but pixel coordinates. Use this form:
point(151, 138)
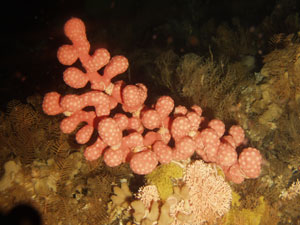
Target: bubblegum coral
point(139, 134)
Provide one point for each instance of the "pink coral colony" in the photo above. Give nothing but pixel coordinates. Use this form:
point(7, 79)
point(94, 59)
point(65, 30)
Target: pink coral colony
point(141, 136)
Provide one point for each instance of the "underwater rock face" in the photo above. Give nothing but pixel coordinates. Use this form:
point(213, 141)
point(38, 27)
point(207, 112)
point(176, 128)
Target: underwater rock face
point(276, 95)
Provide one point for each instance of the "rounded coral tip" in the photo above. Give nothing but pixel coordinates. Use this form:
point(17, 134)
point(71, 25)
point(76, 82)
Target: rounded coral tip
point(163, 152)
point(113, 157)
point(109, 132)
point(95, 150)
point(227, 155)
point(122, 120)
point(117, 65)
point(71, 103)
point(84, 134)
point(99, 59)
point(67, 55)
point(250, 161)
point(51, 103)
point(235, 174)
point(218, 126)
point(143, 162)
point(151, 119)
point(131, 97)
point(180, 127)
point(238, 134)
point(184, 148)
point(74, 29)
point(75, 78)
point(211, 143)
point(164, 106)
